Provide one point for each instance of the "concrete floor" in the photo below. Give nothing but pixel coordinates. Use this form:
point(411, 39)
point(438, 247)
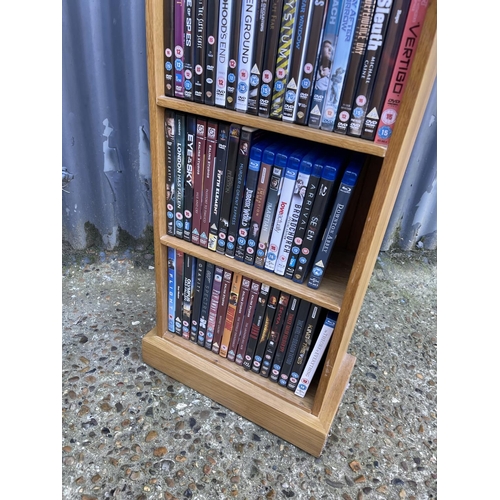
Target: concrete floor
point(131, 432)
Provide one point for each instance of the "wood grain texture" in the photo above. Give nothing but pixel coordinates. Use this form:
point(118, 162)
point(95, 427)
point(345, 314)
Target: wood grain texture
point(263, 402)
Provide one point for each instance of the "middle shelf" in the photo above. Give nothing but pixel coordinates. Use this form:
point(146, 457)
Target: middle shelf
point(329, 295)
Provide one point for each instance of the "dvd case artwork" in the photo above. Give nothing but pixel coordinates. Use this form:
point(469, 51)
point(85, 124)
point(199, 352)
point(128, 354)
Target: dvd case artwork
point(309, 63)
point(199, 171)
point(316, 354)
point(230, 314)
point(223, 48)
point(206, 205)
point(171, 275)
point(247, 322)
point(273, 195)
point(259, 201)
point(269, 62)
point(222, 310)
point(187, 294)
point(188, 50)
point(260, 34)
point(227, 196)
point(343, 196)
point(189, 176)
point(300, 41)
point(211, 38)
point(256, 326)
point(218, 184)
point(197, 299)
point(252, 178)
point(283, 58)
point(332, 171)
point(205, 303)
point(293, 344)
point(200, 26)
point(289, 180)
point(274, 334)
point(170, 170)
point(402, 67)
point(179, 289)
point(394, 33)
point(245, 56)
point(287, 329)
point(179, 49)
point(234, 49)
point(323, 67)
point(272, 304)
point(382, 17)
point(358, 47)
point(248, 137)
point(239, 318)
point(169, 44)
point(180, 172)
point(340, 63)
point(296, 202)
point(214, 307)
point(307, 204)
point(305, 343)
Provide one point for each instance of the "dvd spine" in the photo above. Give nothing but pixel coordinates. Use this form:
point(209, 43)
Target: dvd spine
point(171, 275)
point(304, 346)
point(199, 171)
point(211, 51)
point(170, 170)
point(247, 322)
point(300, 41)
point(317, 351)
point(223, 48)
point(269, 63)
point(255, 328)
point(179, 49)
point(187, 294)
point(206, 205)
point(283, 58)
point(205, 303)
point(188, 50)
point(234, 49)
point(200, 26)
point(222, 310)
point(180, 173)
point(225, 210)
point(274, 334)
point(361, 34)
point(229, 321)
point(272, 303)
point(179, 289)
point(259, 46)
point(169, 42)
point(214, 307)
point(402, 67)
point(189, 177)
point(239, 318)
point(197, 299)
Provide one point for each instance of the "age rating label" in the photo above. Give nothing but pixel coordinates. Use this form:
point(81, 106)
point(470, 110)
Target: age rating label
point(267, 76)
point(344, 116)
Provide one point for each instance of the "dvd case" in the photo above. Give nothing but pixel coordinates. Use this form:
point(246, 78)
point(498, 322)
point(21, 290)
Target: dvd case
point(214, 307)
point(179, 49)
point(171, 276)
point(239, 318)
point(233, 54)
point(223, 48)
point(227, 278)
point(229, 321)
point(187, 294)
point(189, 176)
point(205, 303)
point(170, 170)
point(188, 50)
point(247, 322)
point(211, 38)
point(199, 173)
point(169, 43)
point(180, 172)
point(200, 27)
point(197, 299)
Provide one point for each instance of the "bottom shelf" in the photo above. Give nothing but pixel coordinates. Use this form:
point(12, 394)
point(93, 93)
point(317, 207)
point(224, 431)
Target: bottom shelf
point(268, 405)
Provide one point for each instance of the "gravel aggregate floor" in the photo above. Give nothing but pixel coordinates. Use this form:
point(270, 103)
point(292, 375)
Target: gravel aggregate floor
point(131, 432)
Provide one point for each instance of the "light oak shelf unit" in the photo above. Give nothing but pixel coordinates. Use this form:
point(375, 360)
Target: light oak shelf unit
point(304, 422)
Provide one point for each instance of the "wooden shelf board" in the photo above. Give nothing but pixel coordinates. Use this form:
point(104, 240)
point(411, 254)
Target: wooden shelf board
point(329, 294)
point(287, 129)
point(263, 402)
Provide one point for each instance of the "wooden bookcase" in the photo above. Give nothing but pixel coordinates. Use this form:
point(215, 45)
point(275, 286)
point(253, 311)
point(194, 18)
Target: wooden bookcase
point(304, 422)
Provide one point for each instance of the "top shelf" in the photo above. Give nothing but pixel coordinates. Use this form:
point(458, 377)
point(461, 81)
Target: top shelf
point(289, 129)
